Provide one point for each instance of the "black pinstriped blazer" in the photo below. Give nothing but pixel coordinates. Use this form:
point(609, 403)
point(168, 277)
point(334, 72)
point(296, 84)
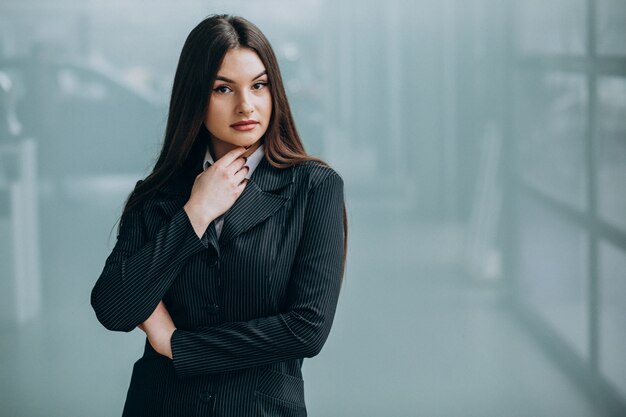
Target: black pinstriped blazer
point(248, 306)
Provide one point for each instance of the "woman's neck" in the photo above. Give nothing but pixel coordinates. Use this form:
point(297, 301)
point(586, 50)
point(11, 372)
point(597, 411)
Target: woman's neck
point(220, 148)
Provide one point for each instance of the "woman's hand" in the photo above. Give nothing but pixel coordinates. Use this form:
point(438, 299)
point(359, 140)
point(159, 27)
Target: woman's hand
point(216, 189)
point(159, 328)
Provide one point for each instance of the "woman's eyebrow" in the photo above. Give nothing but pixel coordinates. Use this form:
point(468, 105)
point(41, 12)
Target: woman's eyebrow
point(228, 80)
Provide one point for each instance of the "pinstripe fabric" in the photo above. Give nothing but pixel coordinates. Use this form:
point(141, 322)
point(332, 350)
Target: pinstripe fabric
point(248, 306)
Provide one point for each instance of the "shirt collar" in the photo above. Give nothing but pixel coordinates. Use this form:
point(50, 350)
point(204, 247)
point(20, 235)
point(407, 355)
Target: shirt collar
point(252, 162)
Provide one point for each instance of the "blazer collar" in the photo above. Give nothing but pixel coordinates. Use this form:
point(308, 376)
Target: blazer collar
point(265, 193)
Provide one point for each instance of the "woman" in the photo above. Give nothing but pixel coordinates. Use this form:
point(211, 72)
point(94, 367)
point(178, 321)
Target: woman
point(230, 254)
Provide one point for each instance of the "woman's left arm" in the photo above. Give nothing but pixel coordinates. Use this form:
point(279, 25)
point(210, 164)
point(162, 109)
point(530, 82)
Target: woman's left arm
point(312, 300)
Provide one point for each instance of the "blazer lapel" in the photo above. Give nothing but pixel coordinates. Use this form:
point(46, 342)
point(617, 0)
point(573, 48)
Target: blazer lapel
point(258, 201)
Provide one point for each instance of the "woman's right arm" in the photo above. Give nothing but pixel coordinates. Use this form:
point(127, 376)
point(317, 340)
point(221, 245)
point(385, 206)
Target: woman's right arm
point(138, 272)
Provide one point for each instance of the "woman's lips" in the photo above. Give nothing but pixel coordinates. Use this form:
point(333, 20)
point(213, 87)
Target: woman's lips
point(244, 127)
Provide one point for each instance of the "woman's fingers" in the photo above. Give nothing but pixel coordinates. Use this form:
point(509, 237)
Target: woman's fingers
point(236, 166)
point(215, 190)
point(241, 180)
point(160, 313)
point(159, 316)
point(241, 174)
point(159, 328)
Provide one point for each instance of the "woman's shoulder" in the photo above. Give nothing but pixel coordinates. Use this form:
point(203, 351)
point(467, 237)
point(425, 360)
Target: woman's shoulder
point(311, 173)
point(154, 196)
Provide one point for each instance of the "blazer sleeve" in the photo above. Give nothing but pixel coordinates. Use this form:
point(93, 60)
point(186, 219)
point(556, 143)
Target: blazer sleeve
point(138, 272)
point(313, 292)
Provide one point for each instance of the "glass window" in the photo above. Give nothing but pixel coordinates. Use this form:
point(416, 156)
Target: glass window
point(611, 153)
point(550, 129)
point(613, 315)
point(553, 271)
point(611, 27)
point(554, 27)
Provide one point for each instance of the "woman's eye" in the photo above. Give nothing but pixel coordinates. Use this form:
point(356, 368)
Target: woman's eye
point(222, 89)
point(259, 85)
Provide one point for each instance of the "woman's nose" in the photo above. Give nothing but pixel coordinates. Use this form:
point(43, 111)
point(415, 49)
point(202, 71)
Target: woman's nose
point(245, 106)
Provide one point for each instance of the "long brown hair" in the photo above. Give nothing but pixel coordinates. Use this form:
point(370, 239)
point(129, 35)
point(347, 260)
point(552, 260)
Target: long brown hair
point(185, 134)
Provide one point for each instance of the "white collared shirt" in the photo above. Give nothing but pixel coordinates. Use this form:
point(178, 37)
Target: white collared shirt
point(252, 163)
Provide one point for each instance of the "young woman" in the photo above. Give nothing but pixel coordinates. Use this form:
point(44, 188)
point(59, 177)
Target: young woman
point(230, 254)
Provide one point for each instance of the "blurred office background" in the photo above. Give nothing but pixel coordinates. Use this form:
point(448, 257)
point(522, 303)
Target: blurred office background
point(483, 148)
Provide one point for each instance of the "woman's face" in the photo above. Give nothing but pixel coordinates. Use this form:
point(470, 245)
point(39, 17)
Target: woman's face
point(240, 93)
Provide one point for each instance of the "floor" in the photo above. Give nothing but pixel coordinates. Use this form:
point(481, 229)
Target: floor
point(413, 335)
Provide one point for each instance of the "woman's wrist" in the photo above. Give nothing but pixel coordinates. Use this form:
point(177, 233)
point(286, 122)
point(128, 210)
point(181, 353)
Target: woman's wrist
point(200, 219)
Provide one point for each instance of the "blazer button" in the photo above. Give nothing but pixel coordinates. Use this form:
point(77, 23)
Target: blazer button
point(212, 308)
point(206, 397)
